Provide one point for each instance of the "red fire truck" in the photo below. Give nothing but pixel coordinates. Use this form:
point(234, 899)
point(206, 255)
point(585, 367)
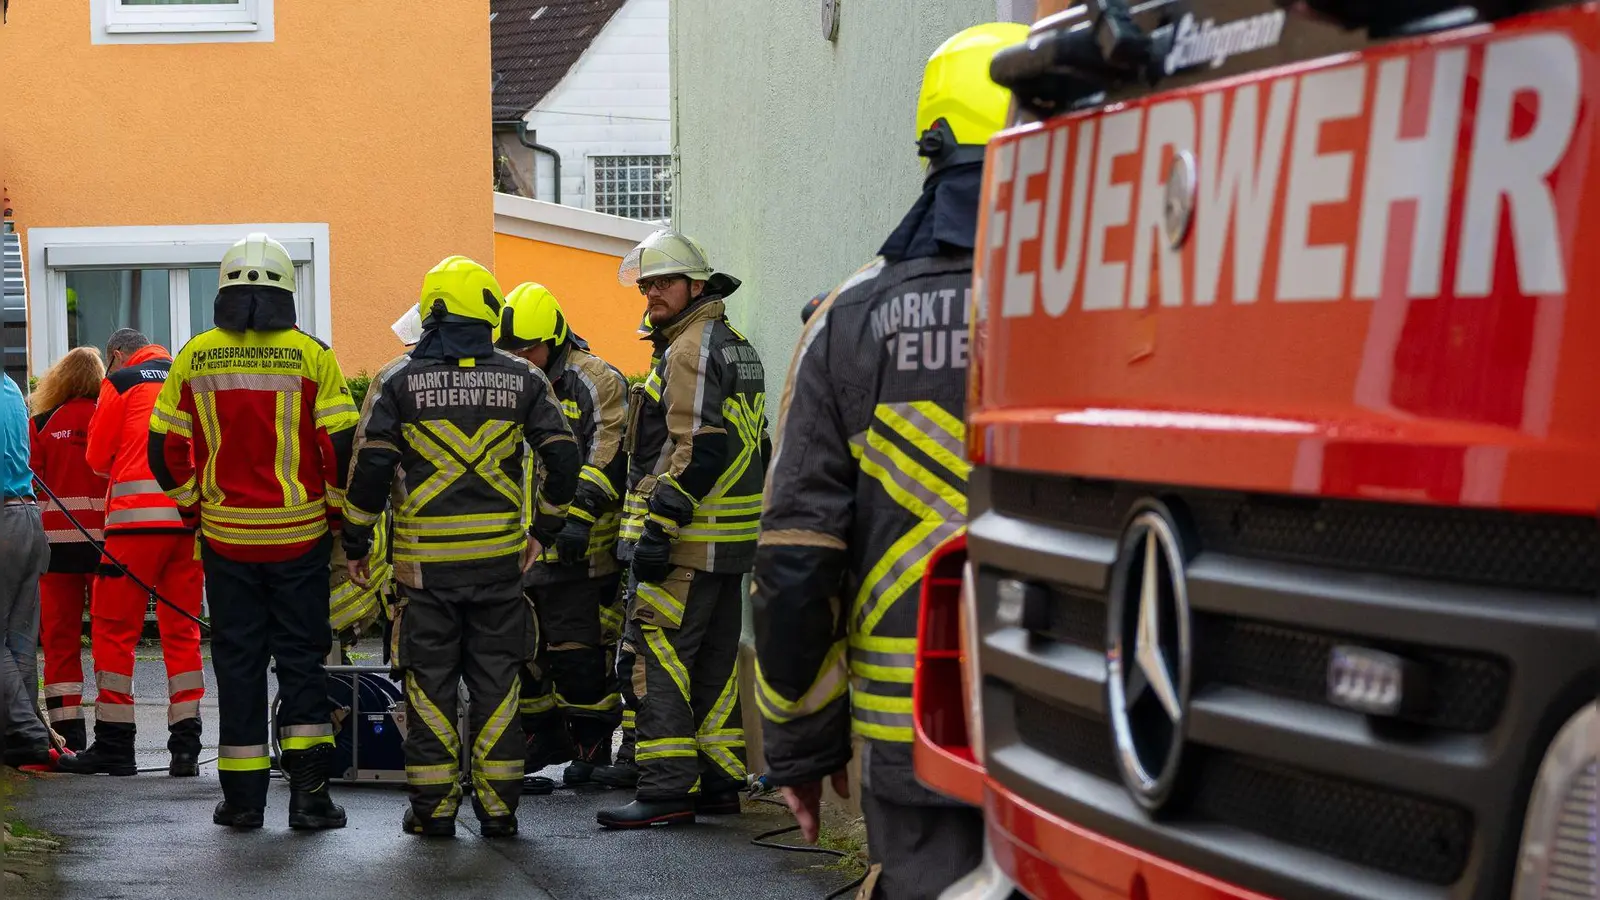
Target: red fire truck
point(1282, 577)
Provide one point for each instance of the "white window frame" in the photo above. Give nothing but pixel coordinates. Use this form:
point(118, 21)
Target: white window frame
point(112, 22)
point(53, 252)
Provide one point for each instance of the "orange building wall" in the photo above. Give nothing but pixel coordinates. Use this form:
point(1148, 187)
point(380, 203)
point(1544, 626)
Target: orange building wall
point(371, 118)
point(602, 311)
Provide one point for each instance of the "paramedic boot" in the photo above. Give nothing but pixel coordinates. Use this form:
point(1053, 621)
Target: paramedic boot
point(310, 806)
point(644, 813)
point(414, 824)
point(112, 753)
point(492, 827)
point(548, 744)
point(230, 816)
point(184, 745)
point(592, 741)
point(73, 732)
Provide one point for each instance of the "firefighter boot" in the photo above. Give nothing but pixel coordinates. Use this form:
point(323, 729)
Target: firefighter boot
point(718, 803)
point(644, 813)
point(616, 775)
point(184, 745)
point(230, 816)
point(414, 824)
point(548, 743)
point(592, 740)
point(73, 733)
point(492, 827)
point(310, 806)
point(112, 753)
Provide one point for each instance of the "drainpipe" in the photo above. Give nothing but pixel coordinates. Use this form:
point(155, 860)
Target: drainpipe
point(537, 148)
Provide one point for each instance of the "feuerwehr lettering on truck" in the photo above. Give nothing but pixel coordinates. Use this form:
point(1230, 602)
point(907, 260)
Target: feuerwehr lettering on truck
point(1275, 155)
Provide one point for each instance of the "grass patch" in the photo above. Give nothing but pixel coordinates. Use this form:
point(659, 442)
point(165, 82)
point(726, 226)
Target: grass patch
point(851, 844)
point(24, 830)
point(355, 656)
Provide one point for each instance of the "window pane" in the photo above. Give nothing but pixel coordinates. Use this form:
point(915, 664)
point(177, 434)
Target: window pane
point(181, 2)
point(202, 299)
point(100, 302)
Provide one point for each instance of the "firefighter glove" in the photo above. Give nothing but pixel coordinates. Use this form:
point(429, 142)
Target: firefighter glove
point(572, 544)
point(545, 528)
point(652, 555)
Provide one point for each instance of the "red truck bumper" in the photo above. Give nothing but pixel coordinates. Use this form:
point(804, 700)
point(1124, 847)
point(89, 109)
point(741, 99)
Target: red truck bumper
point(1051, 859)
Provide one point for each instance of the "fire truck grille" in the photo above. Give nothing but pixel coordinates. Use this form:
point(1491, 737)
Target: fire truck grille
point(1548, 553)
point(1465, 692)
point(1408, 836)
point(1412, 837)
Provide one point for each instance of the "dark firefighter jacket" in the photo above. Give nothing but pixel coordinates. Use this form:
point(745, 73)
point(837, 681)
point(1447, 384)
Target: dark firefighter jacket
point(868, 477)
point(456, 428)
point(696, 439)
point(594, 398)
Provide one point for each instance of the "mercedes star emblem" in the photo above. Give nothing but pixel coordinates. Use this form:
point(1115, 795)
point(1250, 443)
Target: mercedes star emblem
point(1148, 656)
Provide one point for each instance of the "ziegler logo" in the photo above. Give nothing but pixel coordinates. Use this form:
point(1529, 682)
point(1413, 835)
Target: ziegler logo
point(1208, 42)
point(1380, 176)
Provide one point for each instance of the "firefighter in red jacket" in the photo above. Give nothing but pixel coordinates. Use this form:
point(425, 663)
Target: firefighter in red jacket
point(62, 407)
point(252, 430)
point(145, 532)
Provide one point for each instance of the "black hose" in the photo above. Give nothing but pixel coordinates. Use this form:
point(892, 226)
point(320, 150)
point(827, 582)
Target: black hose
point(100, 545)
point(763, 840)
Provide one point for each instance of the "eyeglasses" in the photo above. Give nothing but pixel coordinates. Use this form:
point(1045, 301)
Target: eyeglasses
point(647, 285)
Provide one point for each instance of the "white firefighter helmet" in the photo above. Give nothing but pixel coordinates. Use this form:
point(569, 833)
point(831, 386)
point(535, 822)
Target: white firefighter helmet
point(665, 253)
point(257, 260)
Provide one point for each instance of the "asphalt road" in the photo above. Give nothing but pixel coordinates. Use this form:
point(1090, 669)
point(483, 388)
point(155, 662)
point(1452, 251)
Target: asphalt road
point(151, 837)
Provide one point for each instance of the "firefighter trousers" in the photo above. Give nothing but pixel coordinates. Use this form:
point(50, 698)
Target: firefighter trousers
point(685, 687)
point(478, 634)
point(567, 684)
point(917, 851)
point(165, 562)
point(63, 599)
point(261, 610)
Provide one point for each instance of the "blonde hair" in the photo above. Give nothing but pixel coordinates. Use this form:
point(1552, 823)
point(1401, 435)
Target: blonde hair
point(78, 374)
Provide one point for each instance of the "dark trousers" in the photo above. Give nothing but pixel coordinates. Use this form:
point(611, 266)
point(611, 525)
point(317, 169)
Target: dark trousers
point(918, 851)
point(568, 685)
point(685, 689)
point(276, 610)
point(477, 634)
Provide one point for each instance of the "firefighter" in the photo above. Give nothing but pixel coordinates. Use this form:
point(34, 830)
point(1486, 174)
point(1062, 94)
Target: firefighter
point(570, 701)
point(62, 406)
point(698, 448)
point(146, 532)
point(869, 477)
point(454, 416)
point(253, 428)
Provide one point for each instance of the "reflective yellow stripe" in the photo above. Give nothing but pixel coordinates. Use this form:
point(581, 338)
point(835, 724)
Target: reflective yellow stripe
point(665, 748)
point(286, 407)
point(432, 776)
point(668, 658)
point(206, 410)
point(483, 770)
point(430, 714)
point(570, 407)
point(829, 685)
point(268, 515)
point(605, 704)
point(598, 478)
point(175, 421)
point(540, 704)
point(250, 758)
point(663, 601)
point(304, 743)
point(726, 761)
point(652, 385)
point(717, 718)
point(264, 536)
point(411, 550)
point(359, 517)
